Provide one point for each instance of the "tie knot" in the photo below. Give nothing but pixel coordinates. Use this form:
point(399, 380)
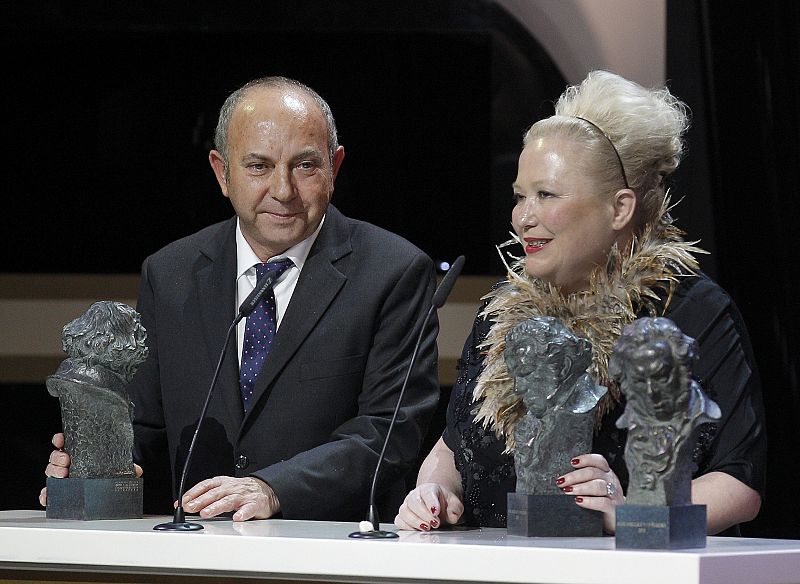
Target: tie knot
point(277, 267)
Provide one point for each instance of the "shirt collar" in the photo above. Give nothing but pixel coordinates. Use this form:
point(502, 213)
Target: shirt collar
point(246, 258)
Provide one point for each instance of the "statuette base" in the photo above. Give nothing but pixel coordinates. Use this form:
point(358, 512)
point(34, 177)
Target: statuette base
point(89, 499)
point(551, 516)
point(661, 527)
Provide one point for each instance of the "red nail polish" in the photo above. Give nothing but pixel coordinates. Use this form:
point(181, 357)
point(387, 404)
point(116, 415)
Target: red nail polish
point(560, 480)
point(434, 510)
point(424, 527)
point(575, 461)
point(579, 499)
point(567, 489)
point(434, 523)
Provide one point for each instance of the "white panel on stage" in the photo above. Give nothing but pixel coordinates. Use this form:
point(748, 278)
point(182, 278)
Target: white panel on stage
point(320, 551)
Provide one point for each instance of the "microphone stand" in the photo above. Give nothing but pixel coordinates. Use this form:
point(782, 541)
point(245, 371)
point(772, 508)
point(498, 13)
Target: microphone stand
point(372, 515)
point(439, 298)
point(179, 522)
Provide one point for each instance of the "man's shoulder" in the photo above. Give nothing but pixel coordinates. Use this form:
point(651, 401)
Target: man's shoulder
point(367, 237)
point(208, 238)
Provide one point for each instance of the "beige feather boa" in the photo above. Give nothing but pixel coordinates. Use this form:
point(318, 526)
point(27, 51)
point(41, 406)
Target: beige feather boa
point(629, 284)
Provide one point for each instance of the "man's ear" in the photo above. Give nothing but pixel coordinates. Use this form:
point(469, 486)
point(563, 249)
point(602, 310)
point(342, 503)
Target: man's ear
point(566, 368)
point(624, 209)
point(218, 166)
point(338, 158)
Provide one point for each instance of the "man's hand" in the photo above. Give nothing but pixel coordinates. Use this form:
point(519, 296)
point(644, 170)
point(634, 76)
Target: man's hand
point(58, 465)
point(251, 498)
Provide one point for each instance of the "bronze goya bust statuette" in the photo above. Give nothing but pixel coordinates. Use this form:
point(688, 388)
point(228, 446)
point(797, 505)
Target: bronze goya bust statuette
point(653, 362)
point(548, 363)
point(105, 346)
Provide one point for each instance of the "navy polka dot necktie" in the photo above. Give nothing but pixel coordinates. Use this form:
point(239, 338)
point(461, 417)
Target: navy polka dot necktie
point(259, 332)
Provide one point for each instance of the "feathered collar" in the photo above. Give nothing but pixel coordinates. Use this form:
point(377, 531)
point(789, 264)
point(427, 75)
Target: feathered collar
point(629, 284)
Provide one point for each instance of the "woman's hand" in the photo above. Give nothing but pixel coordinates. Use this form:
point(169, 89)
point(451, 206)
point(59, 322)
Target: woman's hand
point(429, 506)
point(437, 499)
point(595, 486)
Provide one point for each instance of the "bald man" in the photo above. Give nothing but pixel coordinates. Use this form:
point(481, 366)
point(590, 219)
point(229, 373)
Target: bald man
point(303, 441)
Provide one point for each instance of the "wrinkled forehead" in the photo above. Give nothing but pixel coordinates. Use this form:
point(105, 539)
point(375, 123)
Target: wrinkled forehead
point(535, 354)
point(652, 357)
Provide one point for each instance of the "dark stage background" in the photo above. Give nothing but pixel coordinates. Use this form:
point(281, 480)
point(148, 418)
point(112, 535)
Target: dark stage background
point(109, 113)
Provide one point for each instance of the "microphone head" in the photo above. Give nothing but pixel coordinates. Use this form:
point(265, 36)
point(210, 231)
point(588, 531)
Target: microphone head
point(250, 303)
point(449, 280)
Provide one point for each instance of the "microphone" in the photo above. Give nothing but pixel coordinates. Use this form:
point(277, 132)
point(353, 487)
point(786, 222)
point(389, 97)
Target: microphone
point(179, 522)
point(449, 280)
point(439, 298)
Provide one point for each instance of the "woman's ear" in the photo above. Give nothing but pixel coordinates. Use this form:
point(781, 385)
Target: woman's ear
point(624, 209)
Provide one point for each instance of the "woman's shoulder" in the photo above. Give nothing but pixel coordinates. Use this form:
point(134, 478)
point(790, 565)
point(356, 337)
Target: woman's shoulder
point(698, 289)
point(697, 301)
point(703, 310)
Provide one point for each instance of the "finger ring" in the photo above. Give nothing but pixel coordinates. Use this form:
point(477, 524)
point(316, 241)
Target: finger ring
point(610, 489)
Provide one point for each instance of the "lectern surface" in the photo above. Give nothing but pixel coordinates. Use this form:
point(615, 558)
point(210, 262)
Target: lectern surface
point(32, 546)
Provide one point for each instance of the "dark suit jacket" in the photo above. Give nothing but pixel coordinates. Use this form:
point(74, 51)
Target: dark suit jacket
point(323, 401)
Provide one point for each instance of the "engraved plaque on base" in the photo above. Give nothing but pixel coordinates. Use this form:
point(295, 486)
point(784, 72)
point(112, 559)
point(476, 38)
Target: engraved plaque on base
point(661, 527)
point(88, 499)
point(551, 516)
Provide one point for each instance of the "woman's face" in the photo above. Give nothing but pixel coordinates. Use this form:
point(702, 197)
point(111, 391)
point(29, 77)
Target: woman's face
point(567, 227)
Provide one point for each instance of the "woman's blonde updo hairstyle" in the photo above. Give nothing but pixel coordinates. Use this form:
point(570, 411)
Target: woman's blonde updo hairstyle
point(646, 127)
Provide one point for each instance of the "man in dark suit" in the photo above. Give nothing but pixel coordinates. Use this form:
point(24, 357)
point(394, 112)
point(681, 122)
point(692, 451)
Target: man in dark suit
point(304, 440)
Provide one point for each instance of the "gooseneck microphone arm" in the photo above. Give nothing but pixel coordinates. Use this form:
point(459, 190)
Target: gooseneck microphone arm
point(179, 522)
point(439, 298)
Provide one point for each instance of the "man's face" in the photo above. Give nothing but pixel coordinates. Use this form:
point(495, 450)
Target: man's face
point(137, 346)
point(654, 374)
point(280, 177)
point(537, 378)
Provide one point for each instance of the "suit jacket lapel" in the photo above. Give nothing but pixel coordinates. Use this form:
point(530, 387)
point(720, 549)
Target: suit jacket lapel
point(216, 288)
point(319, 283)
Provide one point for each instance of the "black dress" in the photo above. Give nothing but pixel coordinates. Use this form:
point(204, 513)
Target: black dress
point(725, 370)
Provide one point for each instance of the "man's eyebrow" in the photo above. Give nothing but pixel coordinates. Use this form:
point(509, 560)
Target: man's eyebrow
point(255, 156)
point(307, 154)
point(312, 153)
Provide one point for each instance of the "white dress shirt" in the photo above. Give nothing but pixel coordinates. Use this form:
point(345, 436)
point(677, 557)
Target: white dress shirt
point(246, 259)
